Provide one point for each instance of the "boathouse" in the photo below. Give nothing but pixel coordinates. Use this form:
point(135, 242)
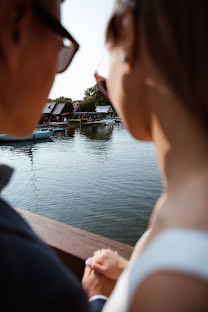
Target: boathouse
point(49, 108)
point(55, 112)
point(59, 112)
point(107, 109)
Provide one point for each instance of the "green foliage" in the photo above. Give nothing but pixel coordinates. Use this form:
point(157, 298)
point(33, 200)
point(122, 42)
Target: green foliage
point(95, 95)
point(87, 105)
point(63, 100)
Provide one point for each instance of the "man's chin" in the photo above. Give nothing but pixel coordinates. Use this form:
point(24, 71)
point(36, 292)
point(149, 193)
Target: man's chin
point(19, 134)
point(22, 131)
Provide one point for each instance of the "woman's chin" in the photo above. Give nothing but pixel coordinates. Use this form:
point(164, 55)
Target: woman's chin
point(137, 133)
point(141, 136)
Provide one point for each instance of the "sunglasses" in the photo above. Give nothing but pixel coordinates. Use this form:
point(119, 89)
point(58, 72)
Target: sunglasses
point(70, 45)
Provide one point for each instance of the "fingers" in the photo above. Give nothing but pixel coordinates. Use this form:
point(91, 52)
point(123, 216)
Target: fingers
point(88, 262)
point(100, 251)
point(93, 264)
point(98, 267)
point(86, 276)
point(91, 261)
point(102, 258)
point(97, 252)
point(104, 252)
point(87, 271)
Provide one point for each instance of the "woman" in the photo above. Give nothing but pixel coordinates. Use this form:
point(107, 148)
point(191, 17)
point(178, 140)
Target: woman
point(31, 53)
point(158, 85)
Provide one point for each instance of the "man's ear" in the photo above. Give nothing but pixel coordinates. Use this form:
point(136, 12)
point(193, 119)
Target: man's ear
point(128, 35)
point(15, 32)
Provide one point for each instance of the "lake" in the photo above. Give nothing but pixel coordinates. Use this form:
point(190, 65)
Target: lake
point(95, 177)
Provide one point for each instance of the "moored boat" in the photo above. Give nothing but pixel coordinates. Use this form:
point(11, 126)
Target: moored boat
point(58, 129)
point(108, 122)
point(37, 135)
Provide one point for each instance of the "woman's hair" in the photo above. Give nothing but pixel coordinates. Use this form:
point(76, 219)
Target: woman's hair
point(176, 32)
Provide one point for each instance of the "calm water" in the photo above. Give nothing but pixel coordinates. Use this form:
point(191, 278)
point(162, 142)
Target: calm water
point(95, 177)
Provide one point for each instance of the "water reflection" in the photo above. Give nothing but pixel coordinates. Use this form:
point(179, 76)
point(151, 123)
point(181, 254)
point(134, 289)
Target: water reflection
point(94, 177)
point(71, 132)
point(97, 132)
point(24, 147)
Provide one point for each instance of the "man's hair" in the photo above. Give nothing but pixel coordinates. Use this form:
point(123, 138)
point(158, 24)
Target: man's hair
point(176, 33)
point(47, 3)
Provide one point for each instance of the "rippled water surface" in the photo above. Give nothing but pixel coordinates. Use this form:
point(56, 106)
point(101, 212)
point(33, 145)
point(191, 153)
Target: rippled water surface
point(95, 177)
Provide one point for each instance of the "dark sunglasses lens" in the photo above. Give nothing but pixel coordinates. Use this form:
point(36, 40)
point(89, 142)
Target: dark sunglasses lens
point(65, 57)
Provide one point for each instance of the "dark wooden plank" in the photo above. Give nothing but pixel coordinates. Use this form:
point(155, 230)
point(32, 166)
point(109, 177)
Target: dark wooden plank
point(71, 244)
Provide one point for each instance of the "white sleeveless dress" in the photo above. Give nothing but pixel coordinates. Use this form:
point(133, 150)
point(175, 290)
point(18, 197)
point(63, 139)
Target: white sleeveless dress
point(184, 251)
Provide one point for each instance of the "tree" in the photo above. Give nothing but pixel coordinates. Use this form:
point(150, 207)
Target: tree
point(62, 100)
point(87, 105)
point(95, 95)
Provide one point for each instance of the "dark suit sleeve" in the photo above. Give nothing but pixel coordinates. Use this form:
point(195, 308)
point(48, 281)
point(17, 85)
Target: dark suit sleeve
point(35, 280)
point(97, 305)
point(32, 277)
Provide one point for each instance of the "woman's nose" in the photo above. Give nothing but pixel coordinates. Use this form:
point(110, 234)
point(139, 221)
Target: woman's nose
point(102, 85)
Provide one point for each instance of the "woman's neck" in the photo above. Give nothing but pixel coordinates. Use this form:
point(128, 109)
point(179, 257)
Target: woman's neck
point(181, 146)
point(182, 152)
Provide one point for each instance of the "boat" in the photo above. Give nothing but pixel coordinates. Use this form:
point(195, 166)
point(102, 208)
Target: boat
point(108, 122)
point(37, 135)
point(58, 129)
point(51, 129)
point(78, 120)
point(74, 121)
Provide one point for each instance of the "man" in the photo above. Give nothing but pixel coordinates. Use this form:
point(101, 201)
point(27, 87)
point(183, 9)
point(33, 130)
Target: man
point(32, 51)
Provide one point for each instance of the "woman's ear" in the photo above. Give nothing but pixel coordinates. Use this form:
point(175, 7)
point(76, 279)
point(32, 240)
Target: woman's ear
point(16, 32)
point(128, 37)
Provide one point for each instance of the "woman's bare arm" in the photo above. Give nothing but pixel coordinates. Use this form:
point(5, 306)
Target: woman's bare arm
point(172, 292)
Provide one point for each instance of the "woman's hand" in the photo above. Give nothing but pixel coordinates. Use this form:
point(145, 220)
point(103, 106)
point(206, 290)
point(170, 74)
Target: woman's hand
point(108, 263)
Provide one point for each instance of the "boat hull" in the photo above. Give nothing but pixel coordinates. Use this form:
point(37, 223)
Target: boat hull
point(36, 136)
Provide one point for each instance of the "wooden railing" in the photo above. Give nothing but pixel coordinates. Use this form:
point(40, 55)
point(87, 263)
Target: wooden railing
point(73, 246)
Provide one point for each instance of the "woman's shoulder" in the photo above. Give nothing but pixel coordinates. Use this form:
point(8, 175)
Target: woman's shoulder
point(170, 291)
point(172, 269)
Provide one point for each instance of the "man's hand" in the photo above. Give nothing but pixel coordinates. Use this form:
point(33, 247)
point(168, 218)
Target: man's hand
point(96, 284)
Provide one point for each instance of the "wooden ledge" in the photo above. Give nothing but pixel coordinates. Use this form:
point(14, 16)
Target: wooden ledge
point(72, 245)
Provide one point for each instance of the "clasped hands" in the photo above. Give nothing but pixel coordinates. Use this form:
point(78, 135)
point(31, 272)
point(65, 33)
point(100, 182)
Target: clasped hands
point(102, 271)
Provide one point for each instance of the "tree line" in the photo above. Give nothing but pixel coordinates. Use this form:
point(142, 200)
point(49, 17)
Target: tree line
point(92, 98)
